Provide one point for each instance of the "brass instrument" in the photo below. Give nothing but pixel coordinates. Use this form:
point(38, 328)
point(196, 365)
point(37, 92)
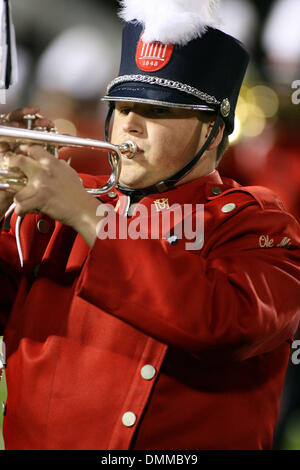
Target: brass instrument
point(15, 177)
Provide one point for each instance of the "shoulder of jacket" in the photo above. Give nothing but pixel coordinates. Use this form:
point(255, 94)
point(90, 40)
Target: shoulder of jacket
point(231, 192)
point(254, 211)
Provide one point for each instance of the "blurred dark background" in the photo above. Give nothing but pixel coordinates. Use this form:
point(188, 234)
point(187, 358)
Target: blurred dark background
point(68, 50)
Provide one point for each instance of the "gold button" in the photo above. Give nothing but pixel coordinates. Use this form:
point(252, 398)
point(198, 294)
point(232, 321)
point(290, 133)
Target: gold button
point(128, 419)
point(148, 372)
point(228, 207)
point(43, 226)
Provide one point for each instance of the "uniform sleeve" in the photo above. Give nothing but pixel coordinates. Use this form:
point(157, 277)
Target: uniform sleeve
point(238, 296)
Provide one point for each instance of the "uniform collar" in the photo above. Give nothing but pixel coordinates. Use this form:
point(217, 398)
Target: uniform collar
point(194, 191)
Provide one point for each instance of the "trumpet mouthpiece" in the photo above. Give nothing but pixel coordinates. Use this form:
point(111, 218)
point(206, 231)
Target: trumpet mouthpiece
point(128, 149)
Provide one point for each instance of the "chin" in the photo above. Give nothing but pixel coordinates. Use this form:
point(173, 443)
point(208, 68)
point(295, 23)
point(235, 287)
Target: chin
point(132, 180)
point(134, 183)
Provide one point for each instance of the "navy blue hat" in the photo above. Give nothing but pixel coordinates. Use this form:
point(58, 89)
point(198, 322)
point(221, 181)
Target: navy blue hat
point(205, 74)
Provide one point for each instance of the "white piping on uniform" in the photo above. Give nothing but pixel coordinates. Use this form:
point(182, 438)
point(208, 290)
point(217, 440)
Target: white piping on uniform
point(10, 210)
point(17, 230)
point(127, 206)
point(18, 239)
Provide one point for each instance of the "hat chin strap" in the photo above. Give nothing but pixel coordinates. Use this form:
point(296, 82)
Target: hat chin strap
point(168, 183)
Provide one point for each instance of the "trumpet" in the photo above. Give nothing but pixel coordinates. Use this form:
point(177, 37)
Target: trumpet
point(14, 177)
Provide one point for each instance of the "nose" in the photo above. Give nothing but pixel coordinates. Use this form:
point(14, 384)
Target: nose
point(133, 123)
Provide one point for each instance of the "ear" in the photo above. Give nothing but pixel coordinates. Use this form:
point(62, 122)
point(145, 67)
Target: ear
point(219, 135)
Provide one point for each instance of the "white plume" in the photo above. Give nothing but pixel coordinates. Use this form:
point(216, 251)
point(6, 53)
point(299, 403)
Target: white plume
point(171, 21)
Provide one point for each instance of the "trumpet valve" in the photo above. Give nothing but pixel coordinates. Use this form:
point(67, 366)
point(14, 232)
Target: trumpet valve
point(50, 148)
point(29, 118)
point(128, 149)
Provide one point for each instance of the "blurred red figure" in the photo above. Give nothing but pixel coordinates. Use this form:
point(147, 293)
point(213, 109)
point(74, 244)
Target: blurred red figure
point(279, 170)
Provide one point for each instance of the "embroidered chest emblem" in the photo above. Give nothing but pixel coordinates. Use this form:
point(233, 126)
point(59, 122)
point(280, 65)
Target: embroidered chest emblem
point(161, 204)
point(153, 56)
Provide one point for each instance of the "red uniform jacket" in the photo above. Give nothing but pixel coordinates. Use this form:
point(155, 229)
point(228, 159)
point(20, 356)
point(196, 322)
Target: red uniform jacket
point(213, 327)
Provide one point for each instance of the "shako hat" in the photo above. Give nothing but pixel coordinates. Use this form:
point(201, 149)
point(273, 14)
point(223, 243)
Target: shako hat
point(174, 55)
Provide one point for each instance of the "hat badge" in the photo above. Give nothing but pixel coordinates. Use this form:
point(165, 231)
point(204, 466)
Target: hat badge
point(153, 56)
point(225, 107)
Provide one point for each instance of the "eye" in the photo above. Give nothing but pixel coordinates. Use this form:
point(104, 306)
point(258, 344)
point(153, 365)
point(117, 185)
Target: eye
point(157, 111)
point(160, 110)
point(125, 110)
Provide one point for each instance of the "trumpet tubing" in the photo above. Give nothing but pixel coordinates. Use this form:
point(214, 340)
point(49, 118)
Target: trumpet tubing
point(10, 177)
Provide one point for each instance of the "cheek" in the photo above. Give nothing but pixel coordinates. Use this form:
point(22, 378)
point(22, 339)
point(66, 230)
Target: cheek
point(116, 128)
point(160, 147)
point(174, 142)
point(177, 145)
point(165, 153)
point(114, 133)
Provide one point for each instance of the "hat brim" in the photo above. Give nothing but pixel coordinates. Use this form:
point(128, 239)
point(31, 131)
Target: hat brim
point(154, 94)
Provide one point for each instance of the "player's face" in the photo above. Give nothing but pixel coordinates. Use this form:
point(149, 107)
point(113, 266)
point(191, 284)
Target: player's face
point(167, 139)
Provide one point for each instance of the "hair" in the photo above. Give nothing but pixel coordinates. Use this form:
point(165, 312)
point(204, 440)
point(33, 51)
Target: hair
point(224, 144)
point(222, 147)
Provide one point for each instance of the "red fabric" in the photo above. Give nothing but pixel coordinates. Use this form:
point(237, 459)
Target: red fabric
point(214, 323)
point(277, 168)
point(91, 161)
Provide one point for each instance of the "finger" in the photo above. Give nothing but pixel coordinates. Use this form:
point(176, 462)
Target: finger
point(18, 150)
point(27, 192)
point(26, 165)
point(4, 147)
point(14, 188)
point(10, 124)
point(44, 123)
point(18, 114)
point(26, 206)
point(37, 152)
